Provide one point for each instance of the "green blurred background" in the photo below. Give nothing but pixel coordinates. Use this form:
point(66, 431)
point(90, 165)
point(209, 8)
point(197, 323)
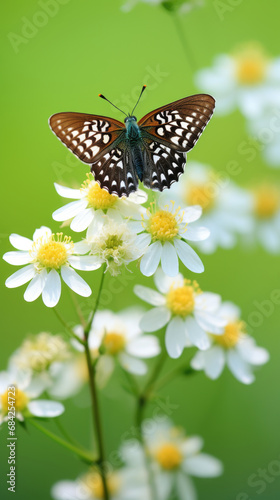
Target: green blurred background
point(90, 47)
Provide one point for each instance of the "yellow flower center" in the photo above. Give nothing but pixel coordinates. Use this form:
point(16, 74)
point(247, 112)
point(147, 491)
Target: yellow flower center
point(267, 202)
point(201, 194)
point(251, 65)
point(181, 300)
point(52, 252)
point(94, 484)
point(232, 334)
point(114, 342)
point(19, 403)
point(163, 226)
point(169, 456)
point(98, 198)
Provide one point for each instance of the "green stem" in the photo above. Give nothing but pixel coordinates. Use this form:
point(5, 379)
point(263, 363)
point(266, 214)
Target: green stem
point(97, 427)
point(77, 308)
point(183, 370)
point(90, 321)
point(181, 35)
point(64, 432)
point(84, 455)
point(67, 327)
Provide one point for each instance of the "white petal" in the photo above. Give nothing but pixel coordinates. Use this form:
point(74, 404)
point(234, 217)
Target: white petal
point(185, 487)
point(82, 220)
point(84, 263)
point(196, 233)
point(132, 365)
point(21, 276)
point(163, 282)
point(70, 210)
point(175, 337)
point(203, 465)
point(52, 289)
point(198, 337)
point(239, 368)
point(192, 445)
point(75, 282)
point(145, 346)
point(67, 192)
point(188, 256)
point(64, 490)
point(45, 408)
point(212, 323)
point(36, 286)
point(138, 197)
point(142, 240)
point(42, 231)
point(148, 295)
point(214, 362)
point(155, 319)
point(230, 311)
point(192, 213)
point(251, 353)
point(169, 260)
point(17, 258)
point(81, 247)
point(20, 242)
point(198, 361)
point(207, 301)
point(150, 260)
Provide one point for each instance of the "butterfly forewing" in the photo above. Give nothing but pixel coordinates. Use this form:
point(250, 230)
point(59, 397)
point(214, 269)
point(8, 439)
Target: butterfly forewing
point(87, 136)
point(180, 123)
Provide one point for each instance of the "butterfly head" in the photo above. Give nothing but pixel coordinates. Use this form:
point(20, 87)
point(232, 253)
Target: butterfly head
point(130, 119)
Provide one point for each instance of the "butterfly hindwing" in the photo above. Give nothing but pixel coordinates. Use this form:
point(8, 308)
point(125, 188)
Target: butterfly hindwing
point(179, 124)
point(162, 165)
point(115, 171)
point(87, 136)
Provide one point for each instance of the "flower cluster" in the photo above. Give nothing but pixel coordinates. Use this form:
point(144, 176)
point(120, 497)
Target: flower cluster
point(248, 80)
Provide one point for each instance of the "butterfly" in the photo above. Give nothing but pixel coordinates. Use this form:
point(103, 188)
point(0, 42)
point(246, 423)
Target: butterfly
point(152, 151)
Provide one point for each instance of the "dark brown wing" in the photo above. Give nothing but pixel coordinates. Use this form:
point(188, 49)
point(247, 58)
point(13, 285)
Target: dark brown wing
point(89, 137)
point(180, 123)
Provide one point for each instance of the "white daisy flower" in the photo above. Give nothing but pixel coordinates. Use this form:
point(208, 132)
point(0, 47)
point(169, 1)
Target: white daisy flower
point(175, 458)
point(47, 258)
point(26, 393)
point(113, 242)
point(234, 348)
point(264, 207)
point(92, 201)
point(119, 338)
point(225, 206)
point(188, 313)
point(241, 80)
point(121, 486)
point(164, 230)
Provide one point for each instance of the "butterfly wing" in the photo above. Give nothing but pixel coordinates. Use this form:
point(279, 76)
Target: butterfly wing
point(162, 166)
point(89, 137)
point(179, 124)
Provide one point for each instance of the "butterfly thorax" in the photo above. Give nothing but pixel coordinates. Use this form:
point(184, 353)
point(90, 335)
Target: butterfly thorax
point(133, 134)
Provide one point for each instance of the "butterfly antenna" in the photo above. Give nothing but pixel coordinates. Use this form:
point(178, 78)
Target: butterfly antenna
point(103, 97)
point(143, 88)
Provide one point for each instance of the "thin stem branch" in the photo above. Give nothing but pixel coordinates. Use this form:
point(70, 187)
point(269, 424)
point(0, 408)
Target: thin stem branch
point(182, 37)
point(182, 370)
point(66, 326)
point(77, 308)
point(84, 455)
point(97, 426)
point(64, 432)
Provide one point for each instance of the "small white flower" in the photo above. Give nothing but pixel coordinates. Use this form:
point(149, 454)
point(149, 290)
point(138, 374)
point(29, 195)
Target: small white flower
point(241, 80)
point(234, 348)
point(47, 258)
point(27, 391)
point(163, 233)
point(225, 206)
point(94, 202)
point(188, 313)
point(119, 338)
point(121, 486)
point(175, 458)
point(113, 242)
